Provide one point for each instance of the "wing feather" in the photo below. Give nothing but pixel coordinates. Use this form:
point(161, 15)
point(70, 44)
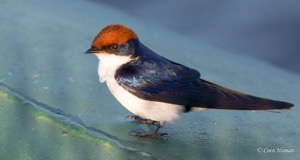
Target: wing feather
point(152, 77)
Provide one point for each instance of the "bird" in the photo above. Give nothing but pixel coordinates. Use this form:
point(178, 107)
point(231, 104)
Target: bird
point(157, 90)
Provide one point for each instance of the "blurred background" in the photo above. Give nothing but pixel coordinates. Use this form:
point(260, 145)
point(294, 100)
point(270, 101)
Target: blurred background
point(53, 107)
point(268, 29)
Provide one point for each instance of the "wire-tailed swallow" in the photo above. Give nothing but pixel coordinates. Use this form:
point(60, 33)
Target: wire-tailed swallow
point(157, 89)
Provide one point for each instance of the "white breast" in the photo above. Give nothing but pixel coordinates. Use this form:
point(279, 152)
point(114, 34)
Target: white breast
point(157, 111)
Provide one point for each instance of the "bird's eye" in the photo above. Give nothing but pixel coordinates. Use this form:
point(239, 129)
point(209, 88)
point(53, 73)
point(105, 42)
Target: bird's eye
point(114, 47)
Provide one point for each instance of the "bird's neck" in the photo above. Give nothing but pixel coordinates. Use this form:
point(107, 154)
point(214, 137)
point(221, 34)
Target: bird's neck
point(108, 64)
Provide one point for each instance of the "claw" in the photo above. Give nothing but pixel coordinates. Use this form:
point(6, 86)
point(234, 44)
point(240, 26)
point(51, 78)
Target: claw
point(130, 116)
point(135, 118)
point(141, 120)
point(137, 134)
point(142, 135)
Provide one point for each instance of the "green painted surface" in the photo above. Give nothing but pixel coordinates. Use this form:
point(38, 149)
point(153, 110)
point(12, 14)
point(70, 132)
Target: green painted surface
point(53, 107)
point(31, 130)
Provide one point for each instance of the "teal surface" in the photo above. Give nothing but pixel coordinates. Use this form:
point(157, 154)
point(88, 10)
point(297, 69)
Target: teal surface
point(53, 107)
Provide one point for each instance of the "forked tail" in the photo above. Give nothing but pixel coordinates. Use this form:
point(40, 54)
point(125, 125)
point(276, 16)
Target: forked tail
point(229, 99)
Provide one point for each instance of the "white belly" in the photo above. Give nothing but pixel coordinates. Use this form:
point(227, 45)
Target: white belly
point(157, 111)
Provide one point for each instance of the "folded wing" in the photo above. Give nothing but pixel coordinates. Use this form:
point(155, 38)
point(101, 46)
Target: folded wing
point(158, 79)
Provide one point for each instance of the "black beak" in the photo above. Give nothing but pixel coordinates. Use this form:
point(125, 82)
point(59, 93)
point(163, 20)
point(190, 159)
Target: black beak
point(92, 50)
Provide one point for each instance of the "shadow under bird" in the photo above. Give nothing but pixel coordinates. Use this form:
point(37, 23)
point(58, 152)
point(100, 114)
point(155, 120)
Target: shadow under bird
point(157, 89)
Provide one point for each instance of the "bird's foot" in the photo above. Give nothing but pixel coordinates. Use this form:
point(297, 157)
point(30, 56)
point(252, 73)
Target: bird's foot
point(143, 135)
point(142, 120)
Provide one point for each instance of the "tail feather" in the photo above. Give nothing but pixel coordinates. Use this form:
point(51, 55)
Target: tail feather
point(230, 99)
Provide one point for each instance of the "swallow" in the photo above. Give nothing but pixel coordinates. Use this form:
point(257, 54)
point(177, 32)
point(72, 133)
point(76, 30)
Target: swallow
point(157, 90)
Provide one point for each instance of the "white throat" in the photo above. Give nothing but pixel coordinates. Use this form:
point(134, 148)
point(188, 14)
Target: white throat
point(108, 64)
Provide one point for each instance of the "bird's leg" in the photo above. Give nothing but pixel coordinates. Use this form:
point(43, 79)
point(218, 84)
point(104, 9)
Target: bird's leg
point(143, 135)
point(142, 120)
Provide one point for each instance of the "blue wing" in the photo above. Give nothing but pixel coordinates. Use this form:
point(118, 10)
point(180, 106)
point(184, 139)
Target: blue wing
point(155, 78)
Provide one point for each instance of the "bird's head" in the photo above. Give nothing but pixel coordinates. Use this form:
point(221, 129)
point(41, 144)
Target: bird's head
point(114, 39)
